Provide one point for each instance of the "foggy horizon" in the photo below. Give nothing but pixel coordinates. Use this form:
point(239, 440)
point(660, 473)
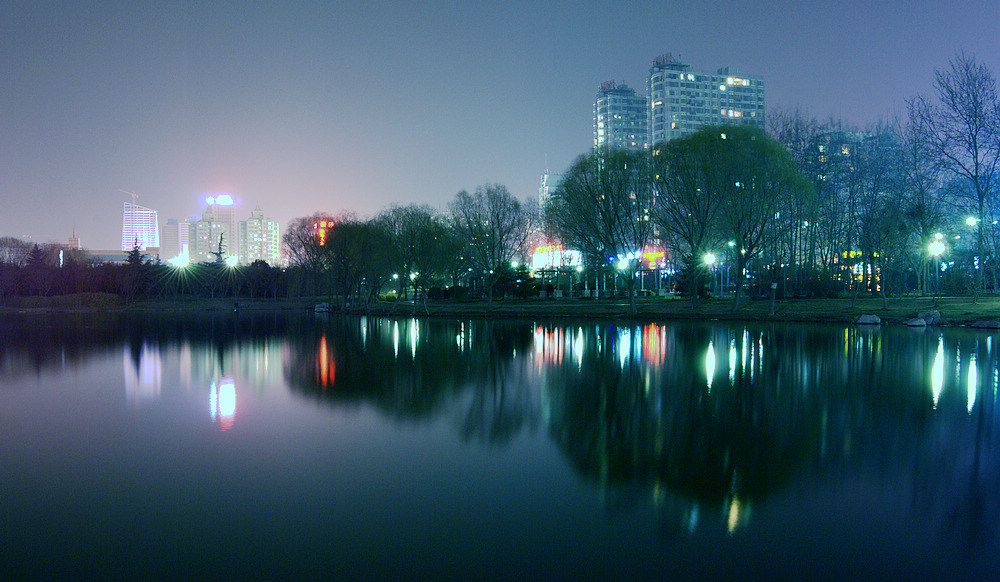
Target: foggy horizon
point(354, 108)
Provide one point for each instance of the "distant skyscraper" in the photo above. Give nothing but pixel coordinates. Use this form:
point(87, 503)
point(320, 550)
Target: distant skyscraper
point(682, 100)
point(549, 184)
point(174, 238)
point(259, 239)
point(139, 227)
point(620, 118)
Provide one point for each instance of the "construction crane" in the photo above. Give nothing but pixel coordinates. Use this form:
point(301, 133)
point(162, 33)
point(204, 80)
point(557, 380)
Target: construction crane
point(132, 194)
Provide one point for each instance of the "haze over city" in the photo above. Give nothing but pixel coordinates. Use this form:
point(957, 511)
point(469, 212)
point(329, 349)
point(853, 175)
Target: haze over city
point(302, 107)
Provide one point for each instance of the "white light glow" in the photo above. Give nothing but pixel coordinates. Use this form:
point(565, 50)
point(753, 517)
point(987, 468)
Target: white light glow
point(937, 373)
point(710, 364)
point(973, 382)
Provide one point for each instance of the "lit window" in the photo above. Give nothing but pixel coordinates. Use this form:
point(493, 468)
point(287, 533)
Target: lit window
point(722, 87)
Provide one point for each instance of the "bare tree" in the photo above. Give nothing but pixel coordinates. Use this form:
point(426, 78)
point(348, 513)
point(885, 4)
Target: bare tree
point(920, 171)
point(493, 225)
point(963, 131)
point(305, 238)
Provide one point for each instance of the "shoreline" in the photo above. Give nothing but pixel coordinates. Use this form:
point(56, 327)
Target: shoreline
point(955, 311)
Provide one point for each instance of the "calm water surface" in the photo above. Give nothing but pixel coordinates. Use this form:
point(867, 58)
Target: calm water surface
point(273, 445)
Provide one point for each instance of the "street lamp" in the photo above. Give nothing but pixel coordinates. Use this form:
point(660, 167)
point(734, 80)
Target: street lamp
point(709, 260)
point(971, 221)
point(936, 248)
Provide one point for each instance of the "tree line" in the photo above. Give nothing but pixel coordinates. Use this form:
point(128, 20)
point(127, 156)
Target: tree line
point(803, 208)
point(808, 208)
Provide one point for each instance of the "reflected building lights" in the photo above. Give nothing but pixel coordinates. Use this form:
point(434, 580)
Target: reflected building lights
point(654, 344)
point(143, 378)
point(326, 366)
point(395, 339)
point(222, 402)
point(549, 346)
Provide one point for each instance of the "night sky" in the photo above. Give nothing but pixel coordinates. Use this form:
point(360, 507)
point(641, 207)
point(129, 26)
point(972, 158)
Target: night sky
point(354, 106)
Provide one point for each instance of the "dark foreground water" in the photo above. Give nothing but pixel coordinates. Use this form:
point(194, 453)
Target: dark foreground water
point(275, 446)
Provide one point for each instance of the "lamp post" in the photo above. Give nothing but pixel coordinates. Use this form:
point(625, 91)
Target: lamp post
point(709, 260)
point(936, 248)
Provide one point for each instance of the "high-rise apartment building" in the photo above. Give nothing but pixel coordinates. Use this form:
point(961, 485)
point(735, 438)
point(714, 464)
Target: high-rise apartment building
point(682, 100)
point(139, 227)
point(217, 227)
point(620, 118)
point(245, 240)
point(259, 239)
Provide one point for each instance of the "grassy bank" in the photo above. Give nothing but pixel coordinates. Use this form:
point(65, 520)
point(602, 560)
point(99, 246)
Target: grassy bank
point(954, 310)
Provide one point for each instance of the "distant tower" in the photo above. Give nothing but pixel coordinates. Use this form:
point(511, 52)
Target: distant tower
point(620, 118)
point(139, 226)
point(548, 185)
point(74, 241)
point(681, 100)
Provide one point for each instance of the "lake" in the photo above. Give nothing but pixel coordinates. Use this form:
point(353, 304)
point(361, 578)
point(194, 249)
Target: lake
point(274, 445)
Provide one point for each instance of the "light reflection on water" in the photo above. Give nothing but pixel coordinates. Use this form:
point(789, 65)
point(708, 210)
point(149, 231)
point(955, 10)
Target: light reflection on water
point(684, 431)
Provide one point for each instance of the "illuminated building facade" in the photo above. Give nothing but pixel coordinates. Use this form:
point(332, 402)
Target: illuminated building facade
point(217, 223)
point(682, 100)
point(620, 119)
point(139, 227)
point(259, 239)
point(243, 241)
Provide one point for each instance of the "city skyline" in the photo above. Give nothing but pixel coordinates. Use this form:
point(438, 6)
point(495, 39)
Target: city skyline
point(354, 108)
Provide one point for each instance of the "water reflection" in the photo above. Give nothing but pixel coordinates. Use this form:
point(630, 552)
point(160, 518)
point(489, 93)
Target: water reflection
point(711, 428)
point(143, 373)
point(222, 402)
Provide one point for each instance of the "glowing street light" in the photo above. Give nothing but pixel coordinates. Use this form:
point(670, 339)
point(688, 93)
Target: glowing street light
point(936, 248)
point(709, 259)
point(971, 221)
point(232, 261)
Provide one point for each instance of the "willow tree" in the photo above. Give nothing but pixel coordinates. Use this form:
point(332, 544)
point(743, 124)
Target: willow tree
point(726, 183)
point(602, 207)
